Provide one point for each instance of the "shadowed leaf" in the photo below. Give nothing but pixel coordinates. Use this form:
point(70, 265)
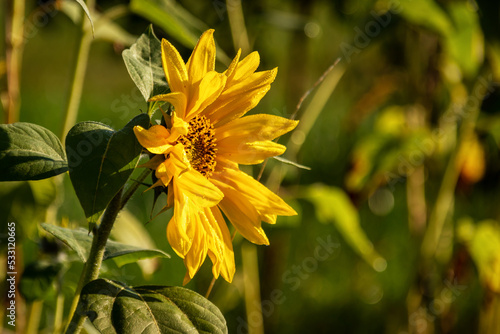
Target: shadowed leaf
point(80, 241)
point(114, 307)
point(29, 152)
point(143, 62)
point(100, 162)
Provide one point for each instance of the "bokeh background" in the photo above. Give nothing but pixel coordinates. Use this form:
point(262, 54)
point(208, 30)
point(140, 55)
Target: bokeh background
point(397, 174)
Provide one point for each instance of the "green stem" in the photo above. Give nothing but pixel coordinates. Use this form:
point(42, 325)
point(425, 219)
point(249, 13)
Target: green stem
point(238, 29)
point(445, 198)
point(78, 75)
point(58, 314)
point(34, 317)
point(94, 261)
point(14, 59)
point(252, 288)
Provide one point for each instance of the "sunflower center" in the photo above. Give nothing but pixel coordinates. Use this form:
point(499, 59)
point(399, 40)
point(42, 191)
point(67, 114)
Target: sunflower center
point(200, 145)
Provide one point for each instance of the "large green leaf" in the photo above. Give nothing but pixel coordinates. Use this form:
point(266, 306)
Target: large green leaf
point(334, 206)
point(143, 61)
point(116, 308)
point(175, 20)
point(80, 241)
point(29, 152)
point(100, 162)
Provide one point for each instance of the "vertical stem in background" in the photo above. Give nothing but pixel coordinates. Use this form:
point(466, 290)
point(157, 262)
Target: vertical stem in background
point(79, 67)
point(34, 317)
point(237, 24)
point(14, 60)
point(415, 185)
point(445, 197)
point(94, 261)
point(58, 313)
point(252, 289)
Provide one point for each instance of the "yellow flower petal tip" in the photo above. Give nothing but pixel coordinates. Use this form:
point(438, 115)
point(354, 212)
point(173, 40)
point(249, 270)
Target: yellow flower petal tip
point(196, 155)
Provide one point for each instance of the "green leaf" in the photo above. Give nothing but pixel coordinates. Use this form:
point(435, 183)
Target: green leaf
point(333, 205)
point(175, 20)
point(100, 162)
point(483, 242)
point(427, 13)
point(80, 241)
point(466, 44)
point(86, 10)
point(143, 62)
point(36, 281)
point(114, 307)
point(29, 152)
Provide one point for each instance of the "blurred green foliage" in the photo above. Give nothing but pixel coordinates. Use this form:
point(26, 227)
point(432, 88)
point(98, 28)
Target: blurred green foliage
point(379, 133)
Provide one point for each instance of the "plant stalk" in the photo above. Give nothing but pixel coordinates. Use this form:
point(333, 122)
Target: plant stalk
point(14, 60)
point(78, 75)
point(445, 198)
point(34, 317)
point(94, 261)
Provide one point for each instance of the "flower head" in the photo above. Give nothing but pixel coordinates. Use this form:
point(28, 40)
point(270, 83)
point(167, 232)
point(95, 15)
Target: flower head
point(197, 154)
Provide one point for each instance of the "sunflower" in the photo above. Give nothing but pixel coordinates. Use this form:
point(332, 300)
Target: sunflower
point(197, 154)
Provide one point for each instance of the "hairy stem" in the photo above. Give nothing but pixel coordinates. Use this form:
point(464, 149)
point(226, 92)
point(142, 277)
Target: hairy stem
point(94, 261)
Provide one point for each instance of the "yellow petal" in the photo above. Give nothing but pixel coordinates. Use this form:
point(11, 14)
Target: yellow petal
point(270, 219)
point(155, 139)
point(254, 81)
point(198, 189)
point(229, 73)
point(248, 153)
point(177, 238)
point(198, 251)
point(177, 99)
point(208, 91)
point(255, 127)
point(180, 230)
point(187, 278)
point(163, 174)
point(179, 126)
point(176, 163)
point(264, 200)
point(202, 59)
point(174, 67)
point(154, 162)
point(237, 100)
point(247, 66)
point(214, 240)
point(242, 214)
point(228, 267)
point(219, 243)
